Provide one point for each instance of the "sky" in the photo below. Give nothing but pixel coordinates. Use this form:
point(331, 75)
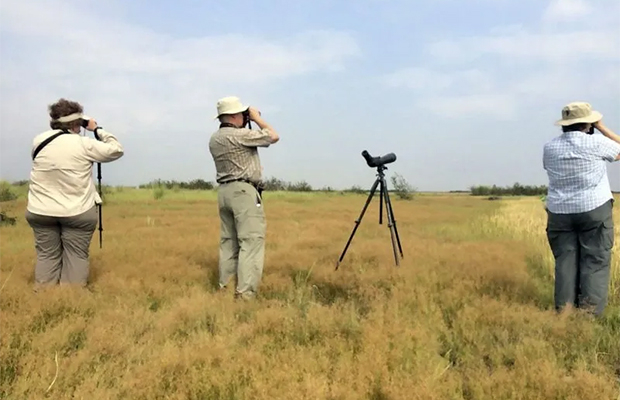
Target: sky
point(463, 92)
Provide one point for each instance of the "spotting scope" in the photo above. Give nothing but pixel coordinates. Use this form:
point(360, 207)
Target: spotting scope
point(378, 161)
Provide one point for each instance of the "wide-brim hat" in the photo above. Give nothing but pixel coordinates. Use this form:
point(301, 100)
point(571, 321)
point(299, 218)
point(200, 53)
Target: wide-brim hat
point(578, 112)
point(230, 105)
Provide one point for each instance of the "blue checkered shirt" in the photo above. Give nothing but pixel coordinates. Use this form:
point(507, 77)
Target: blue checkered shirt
point(575, 165)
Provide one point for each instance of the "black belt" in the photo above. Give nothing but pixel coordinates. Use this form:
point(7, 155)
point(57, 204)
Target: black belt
point(257, 186)
point(240, 180)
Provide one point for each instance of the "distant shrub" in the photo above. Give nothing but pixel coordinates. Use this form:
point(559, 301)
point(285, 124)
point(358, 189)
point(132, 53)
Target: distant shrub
point(301, 186)
point(402, 188)
point(356, 189)
point(6, 219)
point(7, 193)
point(158, 192)
point(275, 185)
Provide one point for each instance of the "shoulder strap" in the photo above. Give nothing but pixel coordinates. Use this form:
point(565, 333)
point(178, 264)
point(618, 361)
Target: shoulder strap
point(46, 142)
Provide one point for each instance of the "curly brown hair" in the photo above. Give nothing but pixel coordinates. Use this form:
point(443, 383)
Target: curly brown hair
point(62, 108)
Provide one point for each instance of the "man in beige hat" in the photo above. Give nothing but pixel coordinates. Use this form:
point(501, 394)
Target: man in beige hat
point(234, 148)
point(580, 227)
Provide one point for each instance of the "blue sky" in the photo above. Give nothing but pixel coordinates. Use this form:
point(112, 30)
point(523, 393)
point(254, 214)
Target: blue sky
point(464, 92)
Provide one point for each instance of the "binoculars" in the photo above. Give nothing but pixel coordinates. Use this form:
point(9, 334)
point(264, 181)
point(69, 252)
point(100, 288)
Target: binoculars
point(246, 117)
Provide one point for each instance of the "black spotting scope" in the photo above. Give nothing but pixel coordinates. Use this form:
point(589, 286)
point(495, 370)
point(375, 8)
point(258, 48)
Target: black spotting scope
point(378, 161)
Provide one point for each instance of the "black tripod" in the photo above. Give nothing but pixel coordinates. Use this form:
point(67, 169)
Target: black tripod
point(384, 196)
point(100, 207)
point(101, 196)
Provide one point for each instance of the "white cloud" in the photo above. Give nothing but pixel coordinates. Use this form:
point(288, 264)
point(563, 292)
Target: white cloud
point(142, 78)
point(418, 78)
point(523, 46)
point(426, 79)
point(567, 10)
point(496, 106)
point(517, 67)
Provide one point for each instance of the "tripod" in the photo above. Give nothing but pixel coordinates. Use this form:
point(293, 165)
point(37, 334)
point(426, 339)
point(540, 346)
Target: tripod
point(384, 196)
point(100, 206)
point(101, 196)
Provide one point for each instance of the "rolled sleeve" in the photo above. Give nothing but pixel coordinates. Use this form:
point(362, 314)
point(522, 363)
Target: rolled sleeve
point(608, 149)
point(255, 138)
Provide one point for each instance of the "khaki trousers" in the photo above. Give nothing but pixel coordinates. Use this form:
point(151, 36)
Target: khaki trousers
point(242, 237)
point(62, 245)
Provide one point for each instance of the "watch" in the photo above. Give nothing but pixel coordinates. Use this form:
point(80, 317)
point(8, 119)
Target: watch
point(95, 131)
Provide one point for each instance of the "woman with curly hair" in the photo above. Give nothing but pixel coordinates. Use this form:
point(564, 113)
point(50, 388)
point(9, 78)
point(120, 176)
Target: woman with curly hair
point(62, 198)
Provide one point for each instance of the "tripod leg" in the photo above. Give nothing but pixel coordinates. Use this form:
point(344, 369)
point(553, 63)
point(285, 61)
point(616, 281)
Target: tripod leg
point(100, 226)
point(393, 219)
point(357, 222)
point(390, 223)
point(100, 206)
point(381, 189)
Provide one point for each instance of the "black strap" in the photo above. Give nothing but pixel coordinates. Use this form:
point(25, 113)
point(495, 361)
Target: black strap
point(228, 125)
point(46, 142)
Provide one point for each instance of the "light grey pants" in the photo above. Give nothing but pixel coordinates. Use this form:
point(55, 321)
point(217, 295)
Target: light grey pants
point(62, 245)
point(242, 237)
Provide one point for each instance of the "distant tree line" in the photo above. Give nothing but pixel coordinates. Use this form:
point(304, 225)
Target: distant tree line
point(275, 184)
point(515, 190)
point(196, 184)
point(399, 185)
point(270, 184)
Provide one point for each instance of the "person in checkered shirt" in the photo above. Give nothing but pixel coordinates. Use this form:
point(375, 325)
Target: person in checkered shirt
point(580, 228)
point(234, 148)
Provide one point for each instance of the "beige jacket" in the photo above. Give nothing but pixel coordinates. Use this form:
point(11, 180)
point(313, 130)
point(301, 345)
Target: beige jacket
point(61, 180)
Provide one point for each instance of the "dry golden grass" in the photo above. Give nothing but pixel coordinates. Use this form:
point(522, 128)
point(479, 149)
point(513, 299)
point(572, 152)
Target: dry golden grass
point(522, 220)
point(468, 315)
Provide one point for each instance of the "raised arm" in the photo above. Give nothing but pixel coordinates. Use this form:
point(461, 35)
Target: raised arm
point(107, 148)
point(255, 116)
point(610, 150)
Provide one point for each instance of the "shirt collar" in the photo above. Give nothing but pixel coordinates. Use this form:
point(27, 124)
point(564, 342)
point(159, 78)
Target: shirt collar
point(573, 133)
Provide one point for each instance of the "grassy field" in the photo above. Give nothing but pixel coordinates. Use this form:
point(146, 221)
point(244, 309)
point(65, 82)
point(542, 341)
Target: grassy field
point(468, 315)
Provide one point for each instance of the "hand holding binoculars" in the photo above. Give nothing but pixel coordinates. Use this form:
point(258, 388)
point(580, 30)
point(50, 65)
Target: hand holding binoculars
point(89, 124)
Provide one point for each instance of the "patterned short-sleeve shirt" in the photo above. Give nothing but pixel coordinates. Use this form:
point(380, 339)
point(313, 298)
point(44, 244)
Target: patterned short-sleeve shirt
point(576, 167)
point(235, 153)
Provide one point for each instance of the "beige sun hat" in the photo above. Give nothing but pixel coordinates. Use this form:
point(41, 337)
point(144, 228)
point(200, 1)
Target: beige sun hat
point(230, 105)
point(578, 112)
